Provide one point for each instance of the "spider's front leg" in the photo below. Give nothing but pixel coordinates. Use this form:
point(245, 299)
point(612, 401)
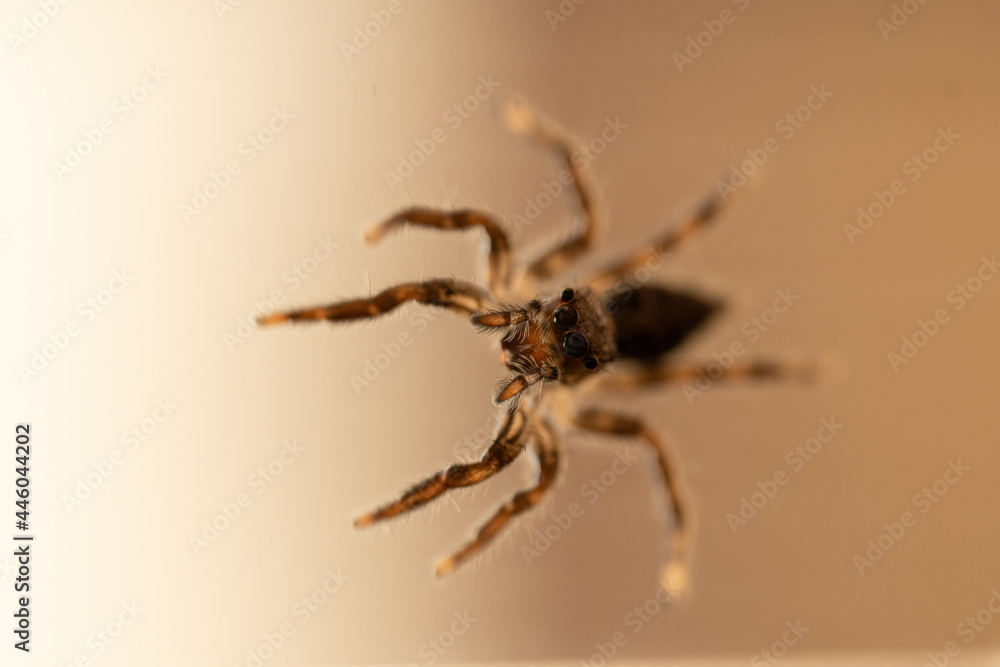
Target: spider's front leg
point(548, 465)
point(455, 295)
point(508, 444)
point(498, 246)
point(674, 575)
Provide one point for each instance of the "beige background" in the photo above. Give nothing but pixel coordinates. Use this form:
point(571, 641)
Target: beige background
point(163, 336)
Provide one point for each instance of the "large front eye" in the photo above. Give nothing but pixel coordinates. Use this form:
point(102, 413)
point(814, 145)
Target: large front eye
point(574, 345)
point(564, 318)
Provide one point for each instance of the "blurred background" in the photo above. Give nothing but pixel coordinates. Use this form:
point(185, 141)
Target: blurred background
point(170, 171)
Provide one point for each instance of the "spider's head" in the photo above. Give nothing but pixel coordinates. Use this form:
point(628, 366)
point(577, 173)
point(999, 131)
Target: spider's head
point(582, 334)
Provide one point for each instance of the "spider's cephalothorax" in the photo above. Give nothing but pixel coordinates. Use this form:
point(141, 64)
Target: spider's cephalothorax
point(569, 338)
point(566, 339)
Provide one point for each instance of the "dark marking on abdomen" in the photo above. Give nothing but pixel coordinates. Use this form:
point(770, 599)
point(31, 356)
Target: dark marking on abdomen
point(652, 321)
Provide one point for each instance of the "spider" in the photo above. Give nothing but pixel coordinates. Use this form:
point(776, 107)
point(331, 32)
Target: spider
point(556, 344)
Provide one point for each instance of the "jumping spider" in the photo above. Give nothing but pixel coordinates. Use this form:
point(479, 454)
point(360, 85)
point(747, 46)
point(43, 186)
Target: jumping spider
point(556, 344)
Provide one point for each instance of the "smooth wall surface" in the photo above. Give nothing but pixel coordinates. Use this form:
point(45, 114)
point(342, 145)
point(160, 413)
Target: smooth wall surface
point(172, 169)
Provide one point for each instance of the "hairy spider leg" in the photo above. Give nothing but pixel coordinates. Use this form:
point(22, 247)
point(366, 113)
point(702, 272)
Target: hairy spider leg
point(498, 245)
point(636, 375)
point(509, 442)
point(455, 295)
point(674, 574)
point(660, 247)
point(521, 120)
point(548, 466)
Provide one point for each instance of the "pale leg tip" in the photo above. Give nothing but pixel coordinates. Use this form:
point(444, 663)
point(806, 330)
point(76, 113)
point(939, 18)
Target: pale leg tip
point(518, 118)
point(273, 318)
point(674, 580)
point(364, 520)
point(445, 567)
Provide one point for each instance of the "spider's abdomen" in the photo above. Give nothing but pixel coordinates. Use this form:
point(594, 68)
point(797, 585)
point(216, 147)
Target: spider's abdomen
point(652, 321)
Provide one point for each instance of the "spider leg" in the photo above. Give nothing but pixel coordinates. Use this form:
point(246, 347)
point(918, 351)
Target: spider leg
point(674, 574)
point(659, 248)
point(461, 297)
point(505, 448)
point(521, 120)
point(548, 465)
point(498, 246)
point(635, 375)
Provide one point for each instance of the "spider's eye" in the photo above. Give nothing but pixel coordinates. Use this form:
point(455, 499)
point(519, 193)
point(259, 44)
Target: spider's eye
point(590, 363)
point(564, 318)
point(574, 345)
point(567, 295)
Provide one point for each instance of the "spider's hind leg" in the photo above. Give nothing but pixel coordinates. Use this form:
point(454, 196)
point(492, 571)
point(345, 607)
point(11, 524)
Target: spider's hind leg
point(635, 375)
point(659, 248)
point(548, 466)
point(674, 574)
